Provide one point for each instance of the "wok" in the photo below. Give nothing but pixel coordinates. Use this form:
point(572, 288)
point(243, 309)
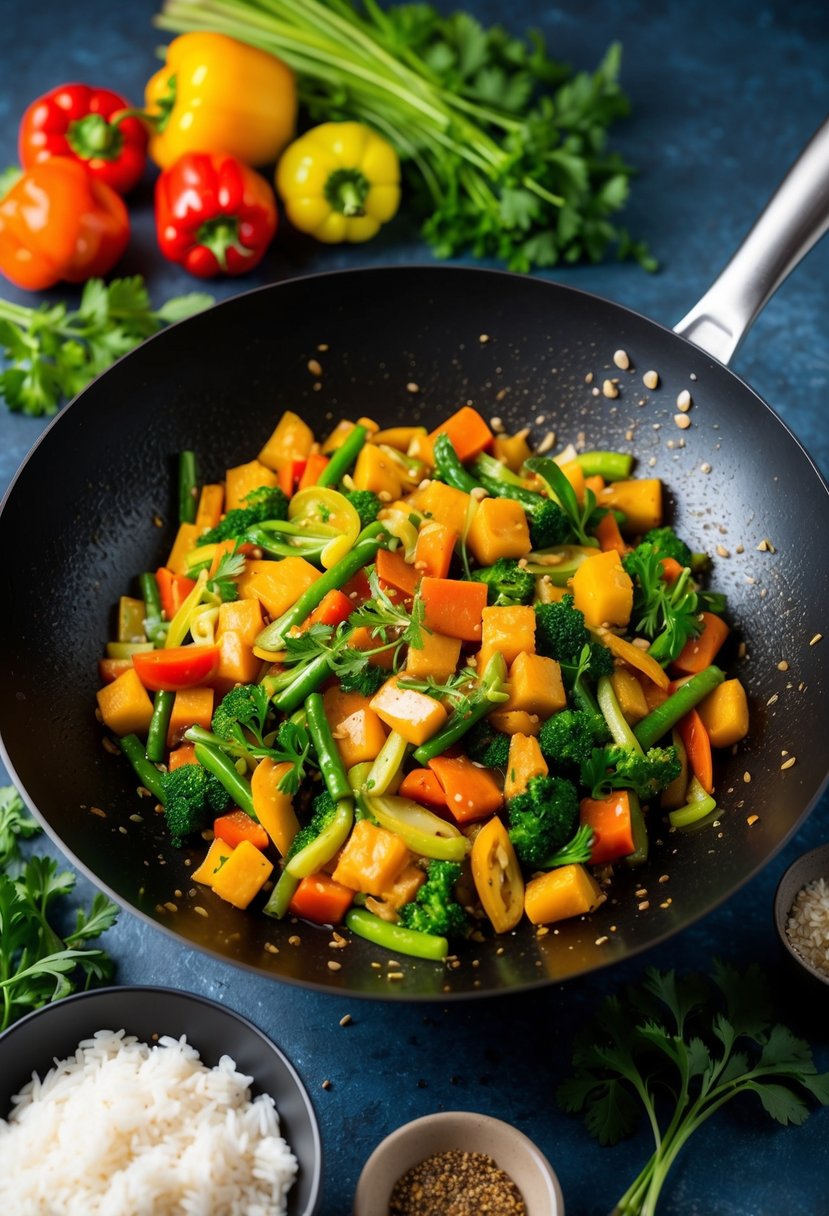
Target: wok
point(78, 525)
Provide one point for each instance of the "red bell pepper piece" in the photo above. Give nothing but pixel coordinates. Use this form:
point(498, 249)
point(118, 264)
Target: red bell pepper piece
point(213, 214)
point(179, 667)
point(92, 126)
point(173, 590)
point(57, 222)
point(333, 609)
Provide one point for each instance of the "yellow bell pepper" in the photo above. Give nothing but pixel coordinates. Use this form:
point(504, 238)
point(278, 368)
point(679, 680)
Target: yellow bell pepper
point(215, 94)
point(339, 182)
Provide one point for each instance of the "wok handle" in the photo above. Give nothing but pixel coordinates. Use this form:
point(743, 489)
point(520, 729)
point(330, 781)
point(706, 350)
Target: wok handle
point(794, 219)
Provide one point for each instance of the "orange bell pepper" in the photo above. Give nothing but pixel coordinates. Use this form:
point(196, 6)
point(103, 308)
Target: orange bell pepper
point(610, 819)
point(59, 223)
point(421, 785)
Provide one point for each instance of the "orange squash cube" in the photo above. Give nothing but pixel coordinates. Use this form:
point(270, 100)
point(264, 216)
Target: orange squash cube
point(524, 761)
point(411, 713)
point(187, 538)
point(237, 663)
point(217, 855)
point(276, 584)
point(561, 893)
point(291, 439)
point(242, 617)
point(243, 875)
point(629, 694)
point(191, 707)
point(498, 529)
point(361, 639)
point(447, 505)
point(371, 859)
point(243, 478)
point(536, 685)
point(640, 498)
point(274, 807)
point(514, 721)
point(437, 657)
point(125, 705)
point(376, 470)
point(508, 631)
point(357, 730)
point(603, 590)
point(724, 714)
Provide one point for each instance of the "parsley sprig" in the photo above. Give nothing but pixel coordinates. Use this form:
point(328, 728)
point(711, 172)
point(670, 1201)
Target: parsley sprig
point(505, 148)
point(385, 617)
point(666, 612)
point(457, 690)
point(581, 516)
point(692, 1044)
point(37, 964)
point(52, 352)
point(223, 582)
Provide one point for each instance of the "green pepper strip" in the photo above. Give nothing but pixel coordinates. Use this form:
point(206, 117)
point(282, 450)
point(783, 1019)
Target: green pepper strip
point(157, 735)
point(449, 466)
point(692, 812)
point(155, 626)
point(639, 831)
point(489, 694)
point(289, 696)
point(224, 770)
point(344, 457)
point(660, 720)
point(148, 774)
point(387, 764)
point(369, 541)
point(617, 723)
point(328, 757)
point(281, 895)
point(612, 466)
point(315, 855)
point(187, 487)
point(395, 937)
point(424, 832)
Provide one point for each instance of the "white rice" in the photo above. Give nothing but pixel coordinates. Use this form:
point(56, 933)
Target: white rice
point(808, 925)
point(125, 1129)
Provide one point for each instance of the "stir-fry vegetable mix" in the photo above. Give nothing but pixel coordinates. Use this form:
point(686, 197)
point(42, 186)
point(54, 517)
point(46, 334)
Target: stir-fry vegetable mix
point(417, 683)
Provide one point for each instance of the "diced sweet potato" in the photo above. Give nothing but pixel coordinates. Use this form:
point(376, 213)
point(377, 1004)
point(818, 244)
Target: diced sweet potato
point(536, 685)
point(291, 439)
point(603, 590)
point(561, 893)
point(376, 470)
point(524, 761)
point(508, 631)
point(125, 705)
point(243, 875)
point(191, 707)
point(276, 584)
point(640, 498)
point(243, 478)
point(371, 859)
point(437, 657)
point(498, 529)
point(187, 538)
point(443, 503)
point(412, 714)
point(454, 607)
point(724, 714)
point(242, 617)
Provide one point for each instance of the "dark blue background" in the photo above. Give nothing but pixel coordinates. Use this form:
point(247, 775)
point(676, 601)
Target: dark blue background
point(724, 97)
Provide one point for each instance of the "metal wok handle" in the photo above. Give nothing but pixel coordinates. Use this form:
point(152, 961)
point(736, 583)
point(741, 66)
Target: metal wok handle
point(794, 219)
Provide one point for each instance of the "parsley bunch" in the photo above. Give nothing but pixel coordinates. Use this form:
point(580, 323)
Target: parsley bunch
point(37, 963)
point(52, 352)
point(505, 148)
point(679, 1049)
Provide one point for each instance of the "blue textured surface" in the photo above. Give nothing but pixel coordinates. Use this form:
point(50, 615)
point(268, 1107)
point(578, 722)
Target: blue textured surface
point(724, 97)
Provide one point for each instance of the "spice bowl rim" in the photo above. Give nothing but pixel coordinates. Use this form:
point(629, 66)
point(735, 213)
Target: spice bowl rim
point(470, 1131)
point(804, 869)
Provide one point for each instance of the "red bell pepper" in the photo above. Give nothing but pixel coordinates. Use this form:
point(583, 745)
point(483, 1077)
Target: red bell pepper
point(173, 590)
point(213, 214)
point(57, 222)
point(179, 667)
point(92, 126)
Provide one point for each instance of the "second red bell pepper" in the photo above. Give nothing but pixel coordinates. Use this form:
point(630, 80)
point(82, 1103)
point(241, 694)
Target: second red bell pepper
point(214, 215)
point(90, 125)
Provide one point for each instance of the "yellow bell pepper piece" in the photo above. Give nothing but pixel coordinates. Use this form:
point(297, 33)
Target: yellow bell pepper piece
point(408, 712)
point(215, 94)
point(603, 590)
point(724, 714)
point(243, 875)
point(274, 808)
point(339, 182)
point(497, 876)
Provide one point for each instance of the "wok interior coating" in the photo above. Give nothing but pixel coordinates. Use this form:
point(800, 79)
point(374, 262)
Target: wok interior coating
point(78, 527)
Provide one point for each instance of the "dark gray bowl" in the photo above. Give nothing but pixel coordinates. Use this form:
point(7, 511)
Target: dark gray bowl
point(55, 1031)
point(800, 873)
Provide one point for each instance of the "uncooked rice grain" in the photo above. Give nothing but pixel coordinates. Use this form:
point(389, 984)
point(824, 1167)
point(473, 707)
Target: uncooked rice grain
point(808, 925)
point(124, 1129)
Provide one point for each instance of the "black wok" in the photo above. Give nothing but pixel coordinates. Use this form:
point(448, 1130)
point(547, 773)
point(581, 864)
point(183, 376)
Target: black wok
point(78, 526)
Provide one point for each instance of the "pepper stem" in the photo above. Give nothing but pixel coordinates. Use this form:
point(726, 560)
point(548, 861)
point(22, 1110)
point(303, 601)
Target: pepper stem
point(220, 235)
point(346, 191)
point(93, 137)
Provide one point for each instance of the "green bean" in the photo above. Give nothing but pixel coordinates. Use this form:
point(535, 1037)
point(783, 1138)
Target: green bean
point(155, 626)
point(639, 832)
point(328, 757)
point(660, 720)
point(692, 812)
point(281, 895)
point(187, 487)
point(369, 541)
point(290, 696)
point(225, 771)
point(395, 937)
point(489, 694)
point(157, 734)
point(449, 466)
point(612, 466)
point(323, 847)
point(344, 457)
point(147, 773)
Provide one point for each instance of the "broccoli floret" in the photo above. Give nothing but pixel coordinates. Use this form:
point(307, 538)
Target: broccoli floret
point(267, 502)
point(192, 797)
point(621, 768)
point(366, 681)
point(543, 818)
point(668, 544)
point(569, 737)
point(323, 810)
point(506, 582)
point(560, 632)
point(548, 525)
point(435, 909)
point(244, 708)
point(366, 504)
point(487, 746)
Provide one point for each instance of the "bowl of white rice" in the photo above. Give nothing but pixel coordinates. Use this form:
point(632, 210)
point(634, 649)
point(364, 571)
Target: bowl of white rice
point(152, 1102)
point(801, 914)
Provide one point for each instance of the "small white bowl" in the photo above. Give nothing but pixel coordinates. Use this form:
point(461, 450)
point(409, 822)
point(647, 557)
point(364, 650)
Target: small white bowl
point(514, 1152)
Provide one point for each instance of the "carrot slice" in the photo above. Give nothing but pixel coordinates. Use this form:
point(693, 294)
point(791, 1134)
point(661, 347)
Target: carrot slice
point(314, 465)
point(698, 746)
point(471, 792)
point(392, 568)
point(700, 652)
point(671, 569)
point(612, 826)
point(333, 609)
point(609, 536)
point(321, 900)
point(453, 607)
point(185, 754)
point(421, 785)
point(236, 826)
point(468, 432)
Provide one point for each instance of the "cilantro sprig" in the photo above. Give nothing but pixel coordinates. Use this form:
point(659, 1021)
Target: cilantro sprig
point(52, 352)
point(504, 147)
point(666, 612)
point(677, 1049)
point(37, 963)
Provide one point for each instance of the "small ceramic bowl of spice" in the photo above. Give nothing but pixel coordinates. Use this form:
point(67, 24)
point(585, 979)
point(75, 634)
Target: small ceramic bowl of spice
point(473, 1164)
point(801, 915)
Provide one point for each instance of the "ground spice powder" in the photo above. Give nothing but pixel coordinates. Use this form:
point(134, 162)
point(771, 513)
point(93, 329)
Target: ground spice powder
point(456, 1183)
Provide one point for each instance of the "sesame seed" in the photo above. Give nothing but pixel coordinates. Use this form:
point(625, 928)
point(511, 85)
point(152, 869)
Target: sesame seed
point(377, 966)
point(610, 389)
point(664, 878)
point(683, 401)
point(96, 810)
point(645, 904)
point(722, 551)
point(652, 462)
point(773, 698)
point(594, 391)
point(315, 367)
point(412, 387)
point(682, 421)
point(651, 379)
point(622, 359)
point(540, 419)
point(747, 777)
point(790, 763)
point(199, 910)
point(396, 975)
point(326, 1084)
point(333, 965)
point(294, 940)
point(752, 819)
point(817, 638)
point(483, 339)
point(782, 665)
point(345, 1020)
point(547, 442)
point(600, 941)
point(496, 423)
point(705, 468)
point(588, 379)
point(542, 931)
point(641, 892)
point(667, 903)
